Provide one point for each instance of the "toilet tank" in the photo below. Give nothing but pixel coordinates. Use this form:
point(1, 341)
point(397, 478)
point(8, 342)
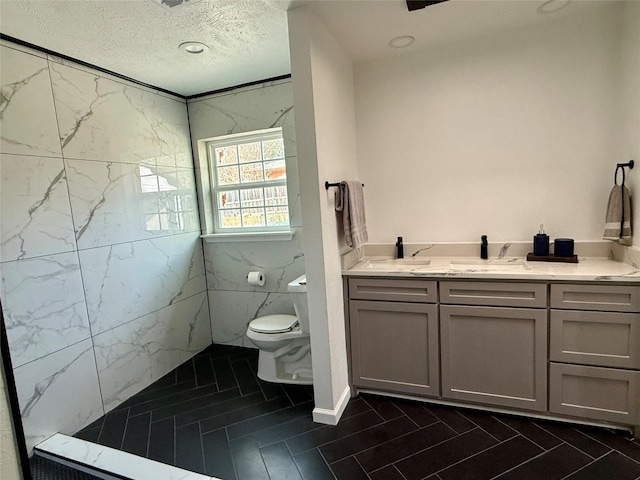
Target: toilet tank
point(298, 291)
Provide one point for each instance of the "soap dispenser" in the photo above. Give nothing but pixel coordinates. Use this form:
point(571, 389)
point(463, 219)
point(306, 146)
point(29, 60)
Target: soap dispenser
point(541, 243)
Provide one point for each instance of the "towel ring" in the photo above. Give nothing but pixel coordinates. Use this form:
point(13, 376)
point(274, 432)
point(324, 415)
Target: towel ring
point(615, 176)
point(621, 166)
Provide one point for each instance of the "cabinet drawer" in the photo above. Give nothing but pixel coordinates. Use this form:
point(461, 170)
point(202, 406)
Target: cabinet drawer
point(401, 290)
point(595, 393)
point(595, 338)
point(493, 293)
point(614, 298)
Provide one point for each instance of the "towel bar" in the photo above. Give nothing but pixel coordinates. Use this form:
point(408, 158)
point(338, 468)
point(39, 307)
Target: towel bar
point(336, 184)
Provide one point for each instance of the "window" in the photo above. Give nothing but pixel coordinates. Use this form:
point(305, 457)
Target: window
point(249, 180)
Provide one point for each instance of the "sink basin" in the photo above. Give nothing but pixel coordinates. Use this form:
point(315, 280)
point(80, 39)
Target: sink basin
point(403, 263)
point(499, 264)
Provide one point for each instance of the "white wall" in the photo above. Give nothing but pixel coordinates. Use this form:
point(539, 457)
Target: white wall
point(325, 132)
point(630, 92)
point(493, 136)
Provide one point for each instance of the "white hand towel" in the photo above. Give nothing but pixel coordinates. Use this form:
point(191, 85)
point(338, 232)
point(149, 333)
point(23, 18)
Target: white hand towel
point(618, 220)
point(349, 200)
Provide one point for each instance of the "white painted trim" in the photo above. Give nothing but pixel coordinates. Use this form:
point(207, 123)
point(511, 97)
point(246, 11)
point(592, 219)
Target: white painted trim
point(331, 417)
point(248, 236)
point(109, 463)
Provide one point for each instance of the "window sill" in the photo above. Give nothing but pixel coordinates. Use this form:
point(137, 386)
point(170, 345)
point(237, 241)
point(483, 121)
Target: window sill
point(248, 236)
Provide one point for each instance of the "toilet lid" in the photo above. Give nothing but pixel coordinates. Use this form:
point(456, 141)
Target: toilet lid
point(273, 323)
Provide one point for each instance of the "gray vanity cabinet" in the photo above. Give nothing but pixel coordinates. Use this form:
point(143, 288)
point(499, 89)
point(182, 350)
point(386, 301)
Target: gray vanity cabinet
point(568, 350)
point(494, 355)
point(394, 343)
point(594, 341)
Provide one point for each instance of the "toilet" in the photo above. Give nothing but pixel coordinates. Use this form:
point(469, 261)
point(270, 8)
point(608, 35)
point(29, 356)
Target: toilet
point(283, 340)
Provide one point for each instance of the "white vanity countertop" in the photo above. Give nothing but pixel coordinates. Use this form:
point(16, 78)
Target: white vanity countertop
point(591, 269)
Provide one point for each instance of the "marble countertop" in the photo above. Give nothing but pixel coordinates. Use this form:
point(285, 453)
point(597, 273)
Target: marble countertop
point(592, 269)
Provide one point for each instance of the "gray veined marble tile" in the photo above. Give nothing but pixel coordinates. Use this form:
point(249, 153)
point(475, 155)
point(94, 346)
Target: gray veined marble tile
point(27, 114)
point(631, 256)
point(231, 313)
point(176, 202)
point(129, 280)
point(101, 119)
point(93, 71)
point(22, 48)
point(266, 106)
point(133, 355)
point(34, 205)
point(122, 202)
point(503, 250)
point(228, 264)
point(59, 393)
point(180, 160)
point(43, 303)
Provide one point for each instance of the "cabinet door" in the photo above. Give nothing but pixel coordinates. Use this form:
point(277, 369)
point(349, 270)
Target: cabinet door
point(595, 338)
point(394, 346)
point(495, 356)
point(595, 393)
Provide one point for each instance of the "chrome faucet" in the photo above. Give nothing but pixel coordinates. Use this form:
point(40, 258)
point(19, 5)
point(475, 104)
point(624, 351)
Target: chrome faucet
point(399, 248)
point(484, 246)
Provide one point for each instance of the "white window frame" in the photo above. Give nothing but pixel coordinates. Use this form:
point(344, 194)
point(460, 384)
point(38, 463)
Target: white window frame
point(229, 233)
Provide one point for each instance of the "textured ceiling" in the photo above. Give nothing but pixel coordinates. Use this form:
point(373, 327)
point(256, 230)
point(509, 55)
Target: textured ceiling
point(248, 39)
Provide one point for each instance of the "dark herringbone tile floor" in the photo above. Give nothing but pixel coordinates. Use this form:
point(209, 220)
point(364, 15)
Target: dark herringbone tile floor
point(213, 415)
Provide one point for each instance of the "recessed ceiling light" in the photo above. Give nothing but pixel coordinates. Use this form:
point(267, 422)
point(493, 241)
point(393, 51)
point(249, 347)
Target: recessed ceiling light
point(401, 42)
point(193, 47)
point(551, 6)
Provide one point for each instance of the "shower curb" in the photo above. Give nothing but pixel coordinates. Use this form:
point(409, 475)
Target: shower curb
point(108, 463)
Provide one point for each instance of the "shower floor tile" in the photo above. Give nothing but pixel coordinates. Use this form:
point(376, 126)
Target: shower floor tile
point(212, 415)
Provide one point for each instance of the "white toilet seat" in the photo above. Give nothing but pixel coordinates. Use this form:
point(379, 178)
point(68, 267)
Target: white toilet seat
point(272, 324)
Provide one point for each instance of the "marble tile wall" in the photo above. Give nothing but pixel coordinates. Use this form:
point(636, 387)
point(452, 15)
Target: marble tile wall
point(233, 302)
point(150, 346)
point(103, 282)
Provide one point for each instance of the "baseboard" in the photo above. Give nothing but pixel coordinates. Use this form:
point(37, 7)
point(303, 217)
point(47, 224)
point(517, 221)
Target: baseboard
point(331, 417)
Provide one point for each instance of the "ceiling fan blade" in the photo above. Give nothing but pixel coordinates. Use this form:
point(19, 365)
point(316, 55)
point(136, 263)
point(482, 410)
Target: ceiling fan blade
point(418, 4)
